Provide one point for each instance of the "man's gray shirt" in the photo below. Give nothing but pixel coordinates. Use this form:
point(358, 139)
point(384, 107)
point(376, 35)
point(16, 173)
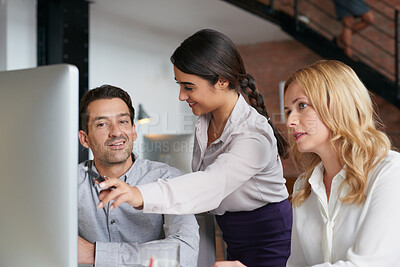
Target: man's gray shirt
point(117, 233)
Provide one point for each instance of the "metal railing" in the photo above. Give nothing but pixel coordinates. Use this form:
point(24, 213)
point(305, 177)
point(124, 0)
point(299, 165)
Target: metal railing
point(376, 45)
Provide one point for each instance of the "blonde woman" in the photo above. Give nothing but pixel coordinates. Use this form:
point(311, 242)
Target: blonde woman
point(346, 202)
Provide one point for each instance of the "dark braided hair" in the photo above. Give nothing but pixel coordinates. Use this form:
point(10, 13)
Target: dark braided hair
point(210, 55)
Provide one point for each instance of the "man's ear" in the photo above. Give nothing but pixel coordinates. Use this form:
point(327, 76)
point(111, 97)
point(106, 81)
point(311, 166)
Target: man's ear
point(222, 83)
point(134, 132)
point(83, 138)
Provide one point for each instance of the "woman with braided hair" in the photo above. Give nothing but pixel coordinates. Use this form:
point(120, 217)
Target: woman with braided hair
point(237, 171)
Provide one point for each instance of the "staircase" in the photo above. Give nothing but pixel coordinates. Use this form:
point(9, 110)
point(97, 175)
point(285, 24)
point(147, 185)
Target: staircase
point(313, 23)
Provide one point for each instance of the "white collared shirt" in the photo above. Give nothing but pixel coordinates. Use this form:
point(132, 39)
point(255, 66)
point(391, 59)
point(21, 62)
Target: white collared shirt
point(337, 234)
point(240, 171)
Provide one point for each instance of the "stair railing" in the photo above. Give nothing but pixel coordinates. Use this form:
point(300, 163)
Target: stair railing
point(320, 16)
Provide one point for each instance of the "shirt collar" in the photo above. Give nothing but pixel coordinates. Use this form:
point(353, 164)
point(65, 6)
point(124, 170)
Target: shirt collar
point(316, 178)
point(131, 169)
point(128, 173)
point(239, 110)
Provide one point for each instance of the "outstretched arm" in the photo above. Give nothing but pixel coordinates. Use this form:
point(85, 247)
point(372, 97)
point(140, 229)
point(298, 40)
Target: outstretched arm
point(199, 191)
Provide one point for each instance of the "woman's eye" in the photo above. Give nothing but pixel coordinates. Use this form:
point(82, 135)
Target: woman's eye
point(302, 105)
point(185, 86)
point(287, 113)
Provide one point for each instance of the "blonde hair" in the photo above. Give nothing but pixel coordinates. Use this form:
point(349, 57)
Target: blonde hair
point(344, 105)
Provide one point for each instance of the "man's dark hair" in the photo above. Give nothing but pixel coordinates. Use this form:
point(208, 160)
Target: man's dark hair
point(103, 92)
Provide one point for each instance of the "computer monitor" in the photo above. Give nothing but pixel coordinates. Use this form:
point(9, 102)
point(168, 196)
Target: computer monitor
point(38, 166)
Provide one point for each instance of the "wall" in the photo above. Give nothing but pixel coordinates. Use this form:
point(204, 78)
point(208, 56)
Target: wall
point(272, 62)
point(134, 59)
point(138, 62)
point(131, 51)
point(17, 34)
point(129, 56)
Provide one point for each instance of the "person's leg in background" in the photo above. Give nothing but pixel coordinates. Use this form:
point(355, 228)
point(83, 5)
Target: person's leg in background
point(344, 40)
point(351, 27)
point(366, 20)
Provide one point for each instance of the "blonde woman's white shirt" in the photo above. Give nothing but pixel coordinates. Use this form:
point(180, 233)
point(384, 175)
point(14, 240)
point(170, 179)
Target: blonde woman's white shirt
point(240, 171)
point(337, 234)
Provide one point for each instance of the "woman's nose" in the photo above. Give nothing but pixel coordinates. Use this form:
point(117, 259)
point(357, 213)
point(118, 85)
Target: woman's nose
point(182, 95)
point(291, 120)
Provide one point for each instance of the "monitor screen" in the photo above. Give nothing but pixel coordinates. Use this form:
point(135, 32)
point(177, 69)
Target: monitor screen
point(38, 166)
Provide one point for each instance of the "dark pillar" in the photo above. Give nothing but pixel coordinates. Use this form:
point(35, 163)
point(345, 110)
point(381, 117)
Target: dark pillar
point(63, 37)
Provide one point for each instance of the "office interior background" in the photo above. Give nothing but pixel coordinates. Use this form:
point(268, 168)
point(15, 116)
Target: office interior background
point(131, 41)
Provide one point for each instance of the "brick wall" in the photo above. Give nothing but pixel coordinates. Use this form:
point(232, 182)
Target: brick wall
point(374, 45)
point(272, 62)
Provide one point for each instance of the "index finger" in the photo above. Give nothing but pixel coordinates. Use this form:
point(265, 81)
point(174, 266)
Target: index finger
point(110, 183)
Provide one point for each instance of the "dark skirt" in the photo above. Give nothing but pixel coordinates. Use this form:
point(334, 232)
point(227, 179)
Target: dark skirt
point(355, 8)
point(260, 237)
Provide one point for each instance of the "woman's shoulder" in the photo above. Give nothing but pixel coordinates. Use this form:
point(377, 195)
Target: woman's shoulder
point(387, 169)
point(252, 138)
point(393, 155)
point(251, 122)
point(392, 160)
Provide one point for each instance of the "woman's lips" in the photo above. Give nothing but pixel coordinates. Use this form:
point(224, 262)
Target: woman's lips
point(298, 135)
point(191, 104)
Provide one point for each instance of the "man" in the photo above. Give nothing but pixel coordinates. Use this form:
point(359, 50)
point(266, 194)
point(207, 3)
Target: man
point(110, 237)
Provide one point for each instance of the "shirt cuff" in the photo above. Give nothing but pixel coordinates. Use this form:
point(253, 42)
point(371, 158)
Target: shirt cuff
point(152, 197)
point(106, 254)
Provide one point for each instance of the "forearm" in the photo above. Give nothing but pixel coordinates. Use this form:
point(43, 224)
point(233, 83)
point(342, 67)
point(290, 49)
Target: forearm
point(188, 194)
point(205, 190)
point(86, 251)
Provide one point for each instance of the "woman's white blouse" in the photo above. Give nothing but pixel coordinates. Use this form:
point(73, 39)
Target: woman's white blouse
point(336, 234)
point(240, 171)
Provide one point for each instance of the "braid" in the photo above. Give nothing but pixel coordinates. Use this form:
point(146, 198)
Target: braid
point(248, 87)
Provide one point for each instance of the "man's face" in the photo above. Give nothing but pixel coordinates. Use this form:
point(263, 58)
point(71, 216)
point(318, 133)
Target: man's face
point(110, 131)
